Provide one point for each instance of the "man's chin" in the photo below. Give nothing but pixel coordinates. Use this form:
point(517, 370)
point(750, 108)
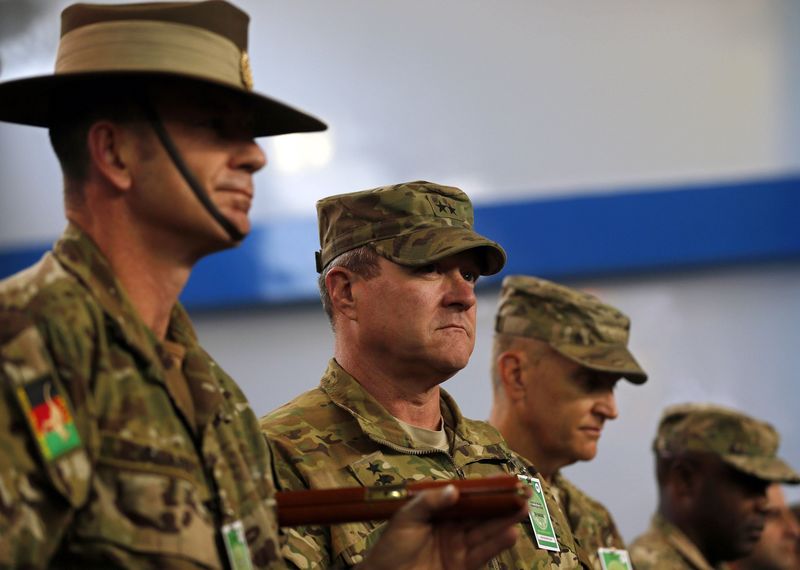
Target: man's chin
point(450, 369)
point(445, 370)
point(586, 453)
point(205, 244)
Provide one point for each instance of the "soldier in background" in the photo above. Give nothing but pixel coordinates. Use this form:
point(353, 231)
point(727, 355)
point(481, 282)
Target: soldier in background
point(713, 466)
point(777, 547)
point(124, 445)
point(558, 355)
point(398, 270)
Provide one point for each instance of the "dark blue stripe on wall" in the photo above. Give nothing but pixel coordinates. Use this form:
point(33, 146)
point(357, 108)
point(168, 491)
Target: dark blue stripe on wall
point(653, 229)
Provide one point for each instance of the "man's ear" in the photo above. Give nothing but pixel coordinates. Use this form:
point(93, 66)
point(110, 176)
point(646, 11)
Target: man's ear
point(110, 152)
point(339, 283)
point(509, 368)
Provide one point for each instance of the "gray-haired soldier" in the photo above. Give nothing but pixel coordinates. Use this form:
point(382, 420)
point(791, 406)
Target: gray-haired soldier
point(399, 265)
point(714, 466)
point(558, 354)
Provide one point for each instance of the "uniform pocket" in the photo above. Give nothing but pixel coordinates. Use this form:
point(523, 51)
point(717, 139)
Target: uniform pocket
point(361, 537)
point(148, 507)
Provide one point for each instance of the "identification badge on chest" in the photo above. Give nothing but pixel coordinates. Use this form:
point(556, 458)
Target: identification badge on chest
point(236, 546)
point(614, 559)
point(540, 515)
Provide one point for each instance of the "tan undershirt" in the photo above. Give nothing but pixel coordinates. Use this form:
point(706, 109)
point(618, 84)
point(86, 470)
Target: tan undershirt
point(436, 439)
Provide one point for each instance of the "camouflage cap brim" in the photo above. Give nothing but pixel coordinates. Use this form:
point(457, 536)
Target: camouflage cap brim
point(771, 469)
point(612, 358)
point(422, 246)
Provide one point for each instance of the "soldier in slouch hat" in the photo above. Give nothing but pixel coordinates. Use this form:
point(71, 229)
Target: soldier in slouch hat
point(124, 445)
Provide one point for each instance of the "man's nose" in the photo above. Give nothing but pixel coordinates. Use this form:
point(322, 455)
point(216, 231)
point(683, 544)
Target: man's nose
point(461, 290)
point(249, 156)
point(606, 405)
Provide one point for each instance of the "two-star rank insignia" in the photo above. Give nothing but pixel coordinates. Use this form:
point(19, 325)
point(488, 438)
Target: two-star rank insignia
point(442, 206)
point(50, 418)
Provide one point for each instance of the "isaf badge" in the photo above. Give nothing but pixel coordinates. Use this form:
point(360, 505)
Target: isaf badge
point(614, 559)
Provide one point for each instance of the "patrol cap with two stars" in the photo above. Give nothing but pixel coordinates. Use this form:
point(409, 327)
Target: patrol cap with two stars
point(745, 443)
point(202, 45)
point(413, 224)
point(575, 324)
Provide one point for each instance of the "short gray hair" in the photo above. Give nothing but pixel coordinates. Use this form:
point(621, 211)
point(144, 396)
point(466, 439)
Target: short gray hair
point(535, 348)
point(362, 261)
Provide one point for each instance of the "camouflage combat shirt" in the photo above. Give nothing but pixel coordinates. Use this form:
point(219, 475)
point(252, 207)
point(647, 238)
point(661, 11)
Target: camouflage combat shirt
point(591, 523)
point(337, 435)
point(665, 546)
point(108, 459)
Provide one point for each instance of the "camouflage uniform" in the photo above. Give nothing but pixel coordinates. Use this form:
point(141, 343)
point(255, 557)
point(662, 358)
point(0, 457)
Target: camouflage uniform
point(665, 546)
point(339, 436)
point(590, 521)
point(113, 455)
point(744, 443)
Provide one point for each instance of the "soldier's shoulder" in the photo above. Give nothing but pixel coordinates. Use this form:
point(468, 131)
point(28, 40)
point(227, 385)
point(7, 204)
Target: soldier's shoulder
point(482, 432)
point(649, 539)
point(310, 410)
point(651, 549)
point(44, 293)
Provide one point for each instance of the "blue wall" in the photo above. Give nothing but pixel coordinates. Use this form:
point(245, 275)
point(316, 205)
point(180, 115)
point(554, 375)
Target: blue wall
point(601, 234)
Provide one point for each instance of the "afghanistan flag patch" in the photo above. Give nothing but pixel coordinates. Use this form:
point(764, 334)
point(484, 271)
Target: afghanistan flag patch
point(49, 417)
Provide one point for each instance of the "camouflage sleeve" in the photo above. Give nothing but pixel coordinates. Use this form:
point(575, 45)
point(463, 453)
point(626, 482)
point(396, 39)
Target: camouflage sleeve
point(44, 467)
point(301, 547)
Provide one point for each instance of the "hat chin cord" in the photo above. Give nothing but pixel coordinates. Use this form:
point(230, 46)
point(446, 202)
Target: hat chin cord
point(169, 145)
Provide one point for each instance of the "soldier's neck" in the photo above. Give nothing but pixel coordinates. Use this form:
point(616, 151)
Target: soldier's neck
point(521, 441)
point(686, 521)
point(404, 398)
point(151, 277)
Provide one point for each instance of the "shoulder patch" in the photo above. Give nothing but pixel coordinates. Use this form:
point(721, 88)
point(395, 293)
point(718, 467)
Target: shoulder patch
point(44, 406)
point(49, 417)
point(29, 375)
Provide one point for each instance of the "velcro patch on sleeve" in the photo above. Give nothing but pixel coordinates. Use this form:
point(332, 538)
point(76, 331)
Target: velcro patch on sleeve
point(49, 417)
point(24, 361)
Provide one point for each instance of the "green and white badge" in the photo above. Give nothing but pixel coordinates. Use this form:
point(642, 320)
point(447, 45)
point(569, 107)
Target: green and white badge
point(614, 559)
point(236, 545)
point(540, 515)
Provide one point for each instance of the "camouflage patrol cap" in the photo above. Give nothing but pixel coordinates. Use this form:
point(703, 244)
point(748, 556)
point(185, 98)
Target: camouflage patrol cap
point(744, 443)
point(413, 223)
point(575, 324)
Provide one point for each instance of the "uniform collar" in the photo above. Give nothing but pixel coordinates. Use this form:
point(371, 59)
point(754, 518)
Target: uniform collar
point(681, 543)
point(79, 255)
point(375, 421)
